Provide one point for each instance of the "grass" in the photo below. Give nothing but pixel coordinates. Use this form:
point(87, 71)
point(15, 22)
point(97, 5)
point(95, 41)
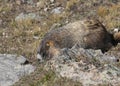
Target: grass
point(111, 15)
point(43, 77)
point(70, 3)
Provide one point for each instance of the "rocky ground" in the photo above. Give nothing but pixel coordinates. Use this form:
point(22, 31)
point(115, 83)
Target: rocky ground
point(87, 66)
point(23, 24)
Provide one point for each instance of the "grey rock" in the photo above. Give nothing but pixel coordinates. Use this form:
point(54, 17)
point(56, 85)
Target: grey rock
point(88, 66)
point(40, 4)
point(30, 2)
point(57, 10)
point(23, 16)
point(21, 60)
point(29, 16)
point(52, 1)
point(11, 69)
point(55, 25)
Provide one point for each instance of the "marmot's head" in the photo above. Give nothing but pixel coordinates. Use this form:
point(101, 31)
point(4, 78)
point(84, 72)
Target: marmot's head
point(47, 50)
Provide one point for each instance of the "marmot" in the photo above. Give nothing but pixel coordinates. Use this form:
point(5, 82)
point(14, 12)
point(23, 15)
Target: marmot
point(88, 33)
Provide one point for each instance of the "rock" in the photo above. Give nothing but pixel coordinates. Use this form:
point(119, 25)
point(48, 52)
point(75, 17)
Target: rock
point(21, 60)
point(41, 4)
point(30, 16)
point(55, 25)
point(87, 66)
point(52, 1)
point(18, 2)
point(46, 9)
point(30, 2)
point(57, 10)
point(11, 69)
point(22, 16)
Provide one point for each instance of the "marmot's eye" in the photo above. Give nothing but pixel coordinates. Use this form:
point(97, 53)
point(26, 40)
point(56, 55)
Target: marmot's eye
point(47, 44)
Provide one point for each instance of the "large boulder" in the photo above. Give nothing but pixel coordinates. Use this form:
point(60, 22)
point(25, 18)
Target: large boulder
point(12, 68)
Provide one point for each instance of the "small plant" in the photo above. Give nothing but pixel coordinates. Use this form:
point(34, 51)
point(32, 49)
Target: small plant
point(102, 11)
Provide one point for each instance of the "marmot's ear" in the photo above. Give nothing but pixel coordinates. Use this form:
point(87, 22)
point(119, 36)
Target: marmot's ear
point(50, 43)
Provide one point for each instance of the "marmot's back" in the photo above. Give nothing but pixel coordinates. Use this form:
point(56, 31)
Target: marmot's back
point(86, 34)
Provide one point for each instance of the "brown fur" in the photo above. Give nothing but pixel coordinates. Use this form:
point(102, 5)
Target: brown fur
point(88, 33)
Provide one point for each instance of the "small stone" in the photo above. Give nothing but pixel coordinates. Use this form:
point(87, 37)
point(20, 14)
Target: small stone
point(40, 4)
point(57, 10)
point(45, 9)
point(23, 17)
point(52, 1)
point(30, 2)
point(18, 2)
point(21, 60)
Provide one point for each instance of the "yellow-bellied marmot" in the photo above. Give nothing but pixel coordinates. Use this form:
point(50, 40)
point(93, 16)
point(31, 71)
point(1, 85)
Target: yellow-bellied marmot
point(88, 33)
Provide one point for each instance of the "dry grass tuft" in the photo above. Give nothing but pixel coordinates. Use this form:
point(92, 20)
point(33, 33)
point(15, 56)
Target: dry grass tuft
point(111, 15)
point(70, 3)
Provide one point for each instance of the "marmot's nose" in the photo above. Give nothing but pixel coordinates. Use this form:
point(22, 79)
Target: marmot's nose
point(39, 58)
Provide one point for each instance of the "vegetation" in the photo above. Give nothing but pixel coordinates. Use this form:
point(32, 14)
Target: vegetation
point(111, 15)
point(43, 77)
